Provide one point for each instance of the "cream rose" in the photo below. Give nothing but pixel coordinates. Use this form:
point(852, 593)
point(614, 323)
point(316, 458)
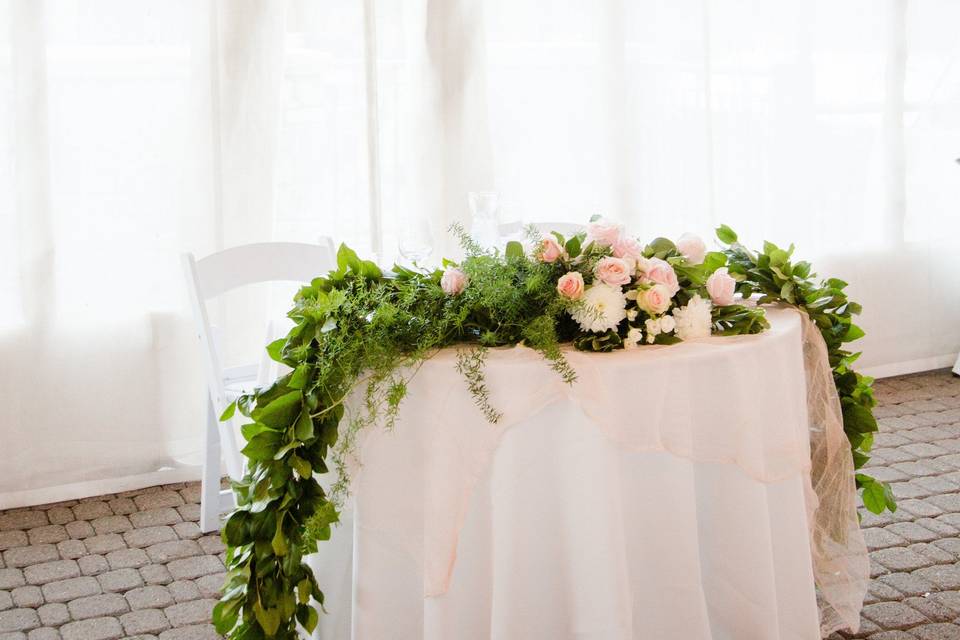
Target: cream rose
point(613, 271)
point(721, 286)
point(692, 248)
point(659, 271)
point(550, 250)
point(454, 281)
point(604, 233)
point(655, 300)
point(570, 285)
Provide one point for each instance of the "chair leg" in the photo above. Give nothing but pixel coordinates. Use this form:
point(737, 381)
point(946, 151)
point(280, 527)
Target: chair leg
point(210, 483)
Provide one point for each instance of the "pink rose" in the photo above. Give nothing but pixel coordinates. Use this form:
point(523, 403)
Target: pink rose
point(570, 285)
point(720, 286)
point(692, 248)
point(550, 250)
point(613, 271)
point(603, 233)
point(654, 300)
point(453, 281)
point(659, 271)
point(628, 250)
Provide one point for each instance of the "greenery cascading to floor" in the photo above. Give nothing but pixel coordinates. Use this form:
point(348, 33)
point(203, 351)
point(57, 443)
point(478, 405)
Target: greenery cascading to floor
point(358, 331)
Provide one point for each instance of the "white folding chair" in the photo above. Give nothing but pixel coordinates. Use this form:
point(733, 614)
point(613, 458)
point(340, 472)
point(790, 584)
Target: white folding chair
point(208, 278)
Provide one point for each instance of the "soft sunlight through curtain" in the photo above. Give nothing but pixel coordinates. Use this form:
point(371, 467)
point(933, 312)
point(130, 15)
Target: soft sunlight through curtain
point(133, 130)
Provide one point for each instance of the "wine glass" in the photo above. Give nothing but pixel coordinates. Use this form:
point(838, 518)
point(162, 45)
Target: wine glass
point(485, 208)
point(416, 242)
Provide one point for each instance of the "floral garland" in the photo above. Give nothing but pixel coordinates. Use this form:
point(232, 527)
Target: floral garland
point(358, 328)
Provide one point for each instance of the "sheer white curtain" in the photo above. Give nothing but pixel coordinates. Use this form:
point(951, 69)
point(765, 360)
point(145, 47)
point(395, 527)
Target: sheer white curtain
point(133, 130)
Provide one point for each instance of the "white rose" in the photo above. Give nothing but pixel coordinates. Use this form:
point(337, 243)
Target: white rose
point(603, 233)
point(692, 248)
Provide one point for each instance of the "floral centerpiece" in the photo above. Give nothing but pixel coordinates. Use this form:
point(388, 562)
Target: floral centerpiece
point(358, 328)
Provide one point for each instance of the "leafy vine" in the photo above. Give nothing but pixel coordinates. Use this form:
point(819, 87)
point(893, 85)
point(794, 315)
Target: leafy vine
point(359, 335)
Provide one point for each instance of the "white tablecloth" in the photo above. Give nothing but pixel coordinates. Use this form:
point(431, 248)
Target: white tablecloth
point(663, 495)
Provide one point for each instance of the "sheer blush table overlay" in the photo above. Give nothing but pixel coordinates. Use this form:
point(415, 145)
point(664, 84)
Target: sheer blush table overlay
point(667, 493)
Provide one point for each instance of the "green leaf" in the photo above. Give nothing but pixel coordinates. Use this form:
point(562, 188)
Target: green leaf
point(786, 292)
point(285, 449)
point(835, 283)
point(303, 591)
point(713, 261)
point(660, 247)
point(279, 542)
point(301, 466)
point(858, 419)
point(269, 619)
point(874, 496)
point(281, 411)
point(275, 348)
point(300, 377)
point(573, 247)
point(252, 429)
point(778, 257)
point(262, 446)
point(370, 270)
point(347, 259)
point(236, 530)
point(228, 412)
point(726, 235)
point(225, 615)
point(303, 429)
point(853, 333)
point(514, 249)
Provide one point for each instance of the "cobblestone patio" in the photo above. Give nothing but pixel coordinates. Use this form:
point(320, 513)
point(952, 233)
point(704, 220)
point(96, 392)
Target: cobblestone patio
point(131, 565)
point(134, 565)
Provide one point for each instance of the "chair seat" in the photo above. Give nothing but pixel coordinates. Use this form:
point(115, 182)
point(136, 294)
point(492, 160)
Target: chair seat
point(236, 388)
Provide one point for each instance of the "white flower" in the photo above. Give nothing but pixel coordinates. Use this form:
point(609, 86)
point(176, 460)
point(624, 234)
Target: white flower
point(667, 324)
point(632, 314)
point(692, 248)
point(634, 335)
point(603, 232)
point(694, 320)
point(652, 325)
point(603, 308)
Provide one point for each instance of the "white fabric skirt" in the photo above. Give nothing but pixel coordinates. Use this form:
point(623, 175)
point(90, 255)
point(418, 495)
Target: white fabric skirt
point(568, 535)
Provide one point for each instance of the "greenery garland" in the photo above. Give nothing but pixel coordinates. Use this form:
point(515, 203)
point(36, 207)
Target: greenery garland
point(360, 331)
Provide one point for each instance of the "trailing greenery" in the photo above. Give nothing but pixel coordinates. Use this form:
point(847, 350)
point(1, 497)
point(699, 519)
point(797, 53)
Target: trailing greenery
point(772, 274)
point(359, 336)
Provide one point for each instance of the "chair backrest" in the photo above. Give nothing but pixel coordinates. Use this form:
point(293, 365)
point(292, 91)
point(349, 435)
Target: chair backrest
point(567, 229)
point(223, 271)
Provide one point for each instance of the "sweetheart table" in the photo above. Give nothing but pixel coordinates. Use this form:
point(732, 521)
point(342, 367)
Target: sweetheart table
point(666, 494)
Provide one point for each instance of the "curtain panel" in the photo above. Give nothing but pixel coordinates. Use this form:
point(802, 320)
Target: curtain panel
point(134, 130)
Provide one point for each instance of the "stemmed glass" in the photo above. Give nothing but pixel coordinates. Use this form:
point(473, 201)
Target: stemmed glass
point(416, 242)
point(485, 209)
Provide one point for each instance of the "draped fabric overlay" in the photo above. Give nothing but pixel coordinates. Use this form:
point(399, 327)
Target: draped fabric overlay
point(840, 560)
point(732, 401)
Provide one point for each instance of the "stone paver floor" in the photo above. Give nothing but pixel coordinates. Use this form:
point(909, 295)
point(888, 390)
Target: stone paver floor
point(915, 552)
point(135, 565)
point(130, 565)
